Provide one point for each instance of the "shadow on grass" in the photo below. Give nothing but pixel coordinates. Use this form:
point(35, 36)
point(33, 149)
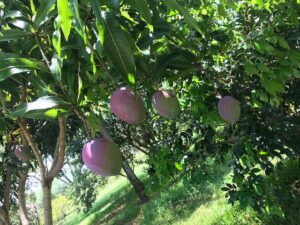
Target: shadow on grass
point(105, 208)
point(173, 203)
point(178, 201)
point(109, 209)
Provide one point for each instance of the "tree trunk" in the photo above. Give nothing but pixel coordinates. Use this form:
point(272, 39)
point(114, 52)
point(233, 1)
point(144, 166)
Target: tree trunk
point(47, 204)
point(4, 210)
point(134, 180)
point(4, 218)
point(21, 196)
point(22, 182)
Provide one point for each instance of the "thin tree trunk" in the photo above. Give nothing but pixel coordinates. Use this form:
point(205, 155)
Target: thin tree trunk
point(47, 205)
point(58, 161)
point(6, 197)
point(135, 181)
point(22, 182)
point(21, 196)
point(4, 218)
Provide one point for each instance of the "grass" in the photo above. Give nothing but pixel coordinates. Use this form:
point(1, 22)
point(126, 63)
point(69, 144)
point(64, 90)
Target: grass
point(176, 204)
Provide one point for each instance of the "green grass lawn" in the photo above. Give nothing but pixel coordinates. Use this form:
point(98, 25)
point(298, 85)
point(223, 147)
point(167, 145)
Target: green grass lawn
point(177, 204)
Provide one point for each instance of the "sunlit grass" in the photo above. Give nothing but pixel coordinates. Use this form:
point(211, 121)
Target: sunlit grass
point(178, 204)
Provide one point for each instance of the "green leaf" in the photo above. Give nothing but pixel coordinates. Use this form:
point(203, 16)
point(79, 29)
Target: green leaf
point(173, 4)
point(65, 16)
point(92, 61)
point(293, 16)
point(272, 86)
point(250, 68)
point(78, 23)
point(259, 3)
point(222, 10)
point(142, 7)
point(69, 76)
point(43, 10)
point(272, 39)
point(45, 114)
point(264, 68)
point(162, 62)
point(40, 86)
point(32, 7)
point(11, 64)
point(12, 35)
point(80, 85)
point(178, 166)
point(261, 152)
point(115, 44)
point(283, 43)
point(56, 68)
point(56, 41)
point(42, 103)
point(259, 47)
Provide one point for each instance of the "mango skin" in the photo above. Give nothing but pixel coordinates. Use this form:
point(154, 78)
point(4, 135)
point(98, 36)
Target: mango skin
point(127, 106)
point(102, 157)
point(23, 153)
point(166, 104)
point(229, 109)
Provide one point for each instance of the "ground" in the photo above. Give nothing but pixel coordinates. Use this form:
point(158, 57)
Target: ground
point(176, 203)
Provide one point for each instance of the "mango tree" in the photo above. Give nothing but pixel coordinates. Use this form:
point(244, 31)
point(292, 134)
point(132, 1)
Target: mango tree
point(27, 67)
point(80, 52)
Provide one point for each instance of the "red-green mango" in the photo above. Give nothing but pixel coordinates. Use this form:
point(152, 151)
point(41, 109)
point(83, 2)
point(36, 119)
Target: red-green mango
point(127, 106)
point(102, 156)
point(166, 104)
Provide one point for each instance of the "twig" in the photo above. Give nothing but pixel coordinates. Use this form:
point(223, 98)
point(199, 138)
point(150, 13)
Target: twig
point(84, 121)
point(41, 50)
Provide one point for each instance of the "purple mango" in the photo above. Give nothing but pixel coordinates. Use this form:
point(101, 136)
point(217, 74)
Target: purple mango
point(229, 109)
point(102, 156)
point(166, 104)
point(127, 106)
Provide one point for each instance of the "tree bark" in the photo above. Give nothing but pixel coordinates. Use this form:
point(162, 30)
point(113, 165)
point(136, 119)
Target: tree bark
point(59, 154)
point(57, 164)
point(135, 181)
point(22, 182)
point(8, 182)
point(6, 196)
point(47, 204)
point(4, 218)
point(21, 196)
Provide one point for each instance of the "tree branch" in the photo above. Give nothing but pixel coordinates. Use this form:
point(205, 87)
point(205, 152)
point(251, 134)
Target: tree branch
point(8, 181)
point(84, 121)
point(66, 177)
point(22, 197)
point(56, 153)
point(104, 131)
point(35, 177)
point(41, 50)
point(23, 177)
point(60, 149)
point(138, 148)
point(34, 148)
